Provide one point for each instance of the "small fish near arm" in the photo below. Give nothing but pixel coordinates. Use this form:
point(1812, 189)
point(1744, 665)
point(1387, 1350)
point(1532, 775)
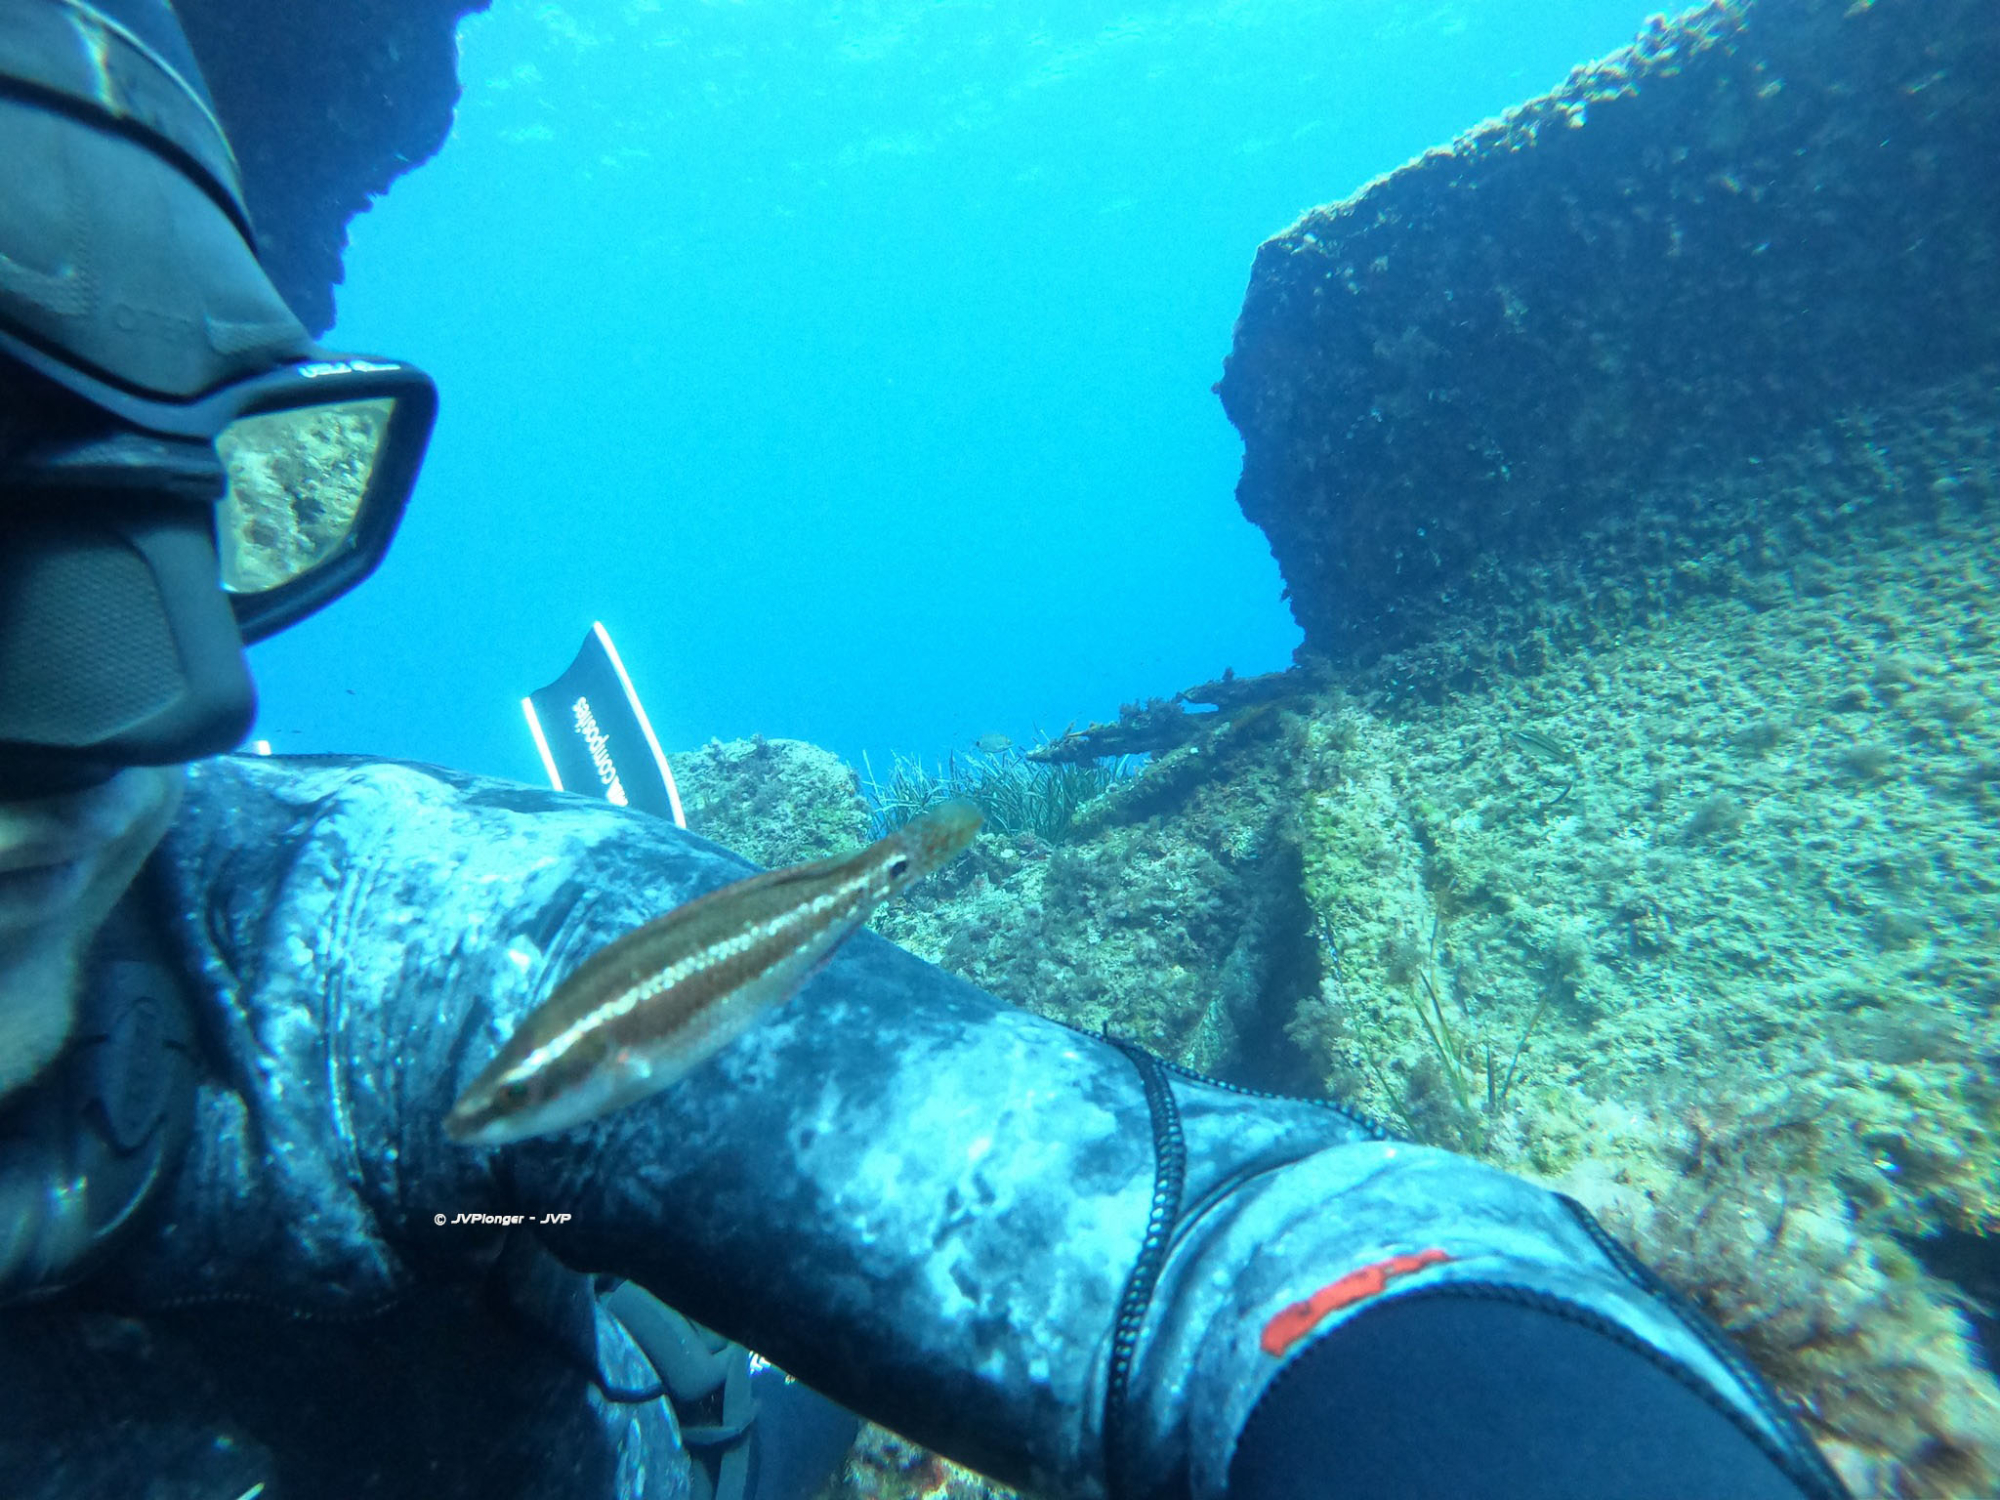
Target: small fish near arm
point(644, 1011)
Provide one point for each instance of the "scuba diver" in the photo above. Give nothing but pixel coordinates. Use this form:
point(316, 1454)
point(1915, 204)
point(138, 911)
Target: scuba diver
point(239, 1254)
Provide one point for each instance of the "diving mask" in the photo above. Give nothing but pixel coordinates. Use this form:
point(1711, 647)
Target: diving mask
point(284, 486)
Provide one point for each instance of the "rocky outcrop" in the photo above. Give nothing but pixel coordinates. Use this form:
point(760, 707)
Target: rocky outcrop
point(327, 102)
point(1759, 221)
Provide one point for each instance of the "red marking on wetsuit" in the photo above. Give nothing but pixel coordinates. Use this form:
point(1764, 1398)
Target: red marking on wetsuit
point(1290, 1324)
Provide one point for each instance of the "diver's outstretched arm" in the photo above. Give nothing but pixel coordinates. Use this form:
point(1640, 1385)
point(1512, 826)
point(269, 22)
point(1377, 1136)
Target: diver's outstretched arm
point(1048, 1256)
point(1078, 1270)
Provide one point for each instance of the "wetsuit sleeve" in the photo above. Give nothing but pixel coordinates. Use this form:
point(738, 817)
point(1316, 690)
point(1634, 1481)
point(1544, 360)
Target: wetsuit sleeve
point(1061, 1263)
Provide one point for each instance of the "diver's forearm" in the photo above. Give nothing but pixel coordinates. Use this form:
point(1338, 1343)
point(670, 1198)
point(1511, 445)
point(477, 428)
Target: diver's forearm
point(921, 1201)
point(1054, 1259)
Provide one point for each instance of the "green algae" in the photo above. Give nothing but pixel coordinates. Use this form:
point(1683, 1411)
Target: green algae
point(1017, 796)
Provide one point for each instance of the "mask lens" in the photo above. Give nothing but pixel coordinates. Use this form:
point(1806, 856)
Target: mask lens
point(297, 481)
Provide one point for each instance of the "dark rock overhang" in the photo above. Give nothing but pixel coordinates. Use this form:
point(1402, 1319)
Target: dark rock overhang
point(326, 102)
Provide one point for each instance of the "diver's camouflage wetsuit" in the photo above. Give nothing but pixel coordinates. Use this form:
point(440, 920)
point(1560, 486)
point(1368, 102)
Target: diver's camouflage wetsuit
point(1052, 1258)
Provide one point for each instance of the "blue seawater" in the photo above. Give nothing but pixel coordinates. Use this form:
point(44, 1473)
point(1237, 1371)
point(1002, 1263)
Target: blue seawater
point(852, 362)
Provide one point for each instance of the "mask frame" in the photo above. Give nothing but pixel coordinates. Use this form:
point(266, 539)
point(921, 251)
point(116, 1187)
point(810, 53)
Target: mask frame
point(332, 379)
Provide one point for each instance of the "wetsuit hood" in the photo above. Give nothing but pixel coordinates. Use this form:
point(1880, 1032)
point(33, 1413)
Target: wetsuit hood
point(126, 250)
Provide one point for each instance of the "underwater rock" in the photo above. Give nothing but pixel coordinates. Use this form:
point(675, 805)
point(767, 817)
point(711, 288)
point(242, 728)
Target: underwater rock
point(1172, 912)
point(777, 802)
point(1629, 913)
point(1763, 217)
point(327, 102)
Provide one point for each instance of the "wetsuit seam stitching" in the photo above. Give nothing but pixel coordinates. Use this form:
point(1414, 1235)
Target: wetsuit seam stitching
point(1134, 1303)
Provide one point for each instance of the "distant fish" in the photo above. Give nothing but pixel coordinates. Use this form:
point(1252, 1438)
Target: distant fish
point(993, 744)
point(1544, 746)
point(641, 1013)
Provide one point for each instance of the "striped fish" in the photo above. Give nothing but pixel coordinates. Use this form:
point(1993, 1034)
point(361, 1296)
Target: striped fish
point(641, 1013)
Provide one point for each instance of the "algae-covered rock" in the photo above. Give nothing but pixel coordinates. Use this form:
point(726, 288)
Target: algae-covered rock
point(1685, 256)
point(1660, 867)
point(1630, 923)
point(1639, 921)
point(777, 802)
point(1172, 915)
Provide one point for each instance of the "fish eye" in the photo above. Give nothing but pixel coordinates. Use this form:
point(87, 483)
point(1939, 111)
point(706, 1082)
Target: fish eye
point(515, 1092)
point(898, 866)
